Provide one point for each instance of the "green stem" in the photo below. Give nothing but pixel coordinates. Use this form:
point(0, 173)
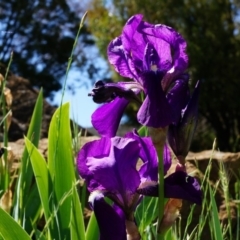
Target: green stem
point(160, 192)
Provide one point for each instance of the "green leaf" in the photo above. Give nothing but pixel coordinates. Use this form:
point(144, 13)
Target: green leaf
point(25, 177)
point(77, 221)
point(41, 174)
point(92, 232)
point(10, 229)
point(61, 166)
point(33, 209)
point(216, 226)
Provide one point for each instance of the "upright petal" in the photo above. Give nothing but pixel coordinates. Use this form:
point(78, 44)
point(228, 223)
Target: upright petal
point(176, 41)
point(111, 221)
point(129, 31)
point(178, 97)
point(106, 118)
point(173, 57)
point(151, 58)
point(180, 135)
point(163, 49)
point(120, 59)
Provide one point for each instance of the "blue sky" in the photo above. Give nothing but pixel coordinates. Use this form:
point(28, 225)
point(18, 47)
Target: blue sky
point(81, 106)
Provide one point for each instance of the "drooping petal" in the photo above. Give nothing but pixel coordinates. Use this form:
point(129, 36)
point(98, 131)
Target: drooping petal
point(97, 148)
point(177, 185)
point(111, 221)
point(106, 92)
point(155, 110)
point(148, 154)
point(180, 185)
point(117, 172)
point(106, 118)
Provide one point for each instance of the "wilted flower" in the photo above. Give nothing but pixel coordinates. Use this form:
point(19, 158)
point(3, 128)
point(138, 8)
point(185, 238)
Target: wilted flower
point(154, 57)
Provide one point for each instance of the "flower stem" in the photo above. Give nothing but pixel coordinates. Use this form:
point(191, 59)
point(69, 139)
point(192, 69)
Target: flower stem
point(158, 136)
point(160, 192)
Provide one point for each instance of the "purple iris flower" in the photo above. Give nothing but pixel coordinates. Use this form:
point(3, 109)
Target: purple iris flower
point(111, 169)
point(180, 134)
point(154, 57)
point(109, 166)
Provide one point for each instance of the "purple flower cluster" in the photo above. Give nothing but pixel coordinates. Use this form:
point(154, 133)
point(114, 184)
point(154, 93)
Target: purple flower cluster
point(126, 168)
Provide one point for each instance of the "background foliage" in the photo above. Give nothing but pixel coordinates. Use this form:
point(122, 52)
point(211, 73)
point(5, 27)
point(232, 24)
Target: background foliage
point(211, 30)
point(41, 34)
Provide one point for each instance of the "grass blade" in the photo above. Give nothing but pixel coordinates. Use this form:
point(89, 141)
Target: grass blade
point(216, 226)
point(146, 212)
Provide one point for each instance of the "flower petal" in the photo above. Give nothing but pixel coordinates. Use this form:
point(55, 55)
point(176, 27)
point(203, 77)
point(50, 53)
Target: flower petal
point(106, 92)
point(117, 172)
point(148, 154)
point(106, 118)
point(167, 158)
point(133, 41)
point(178, 97)
point(120, 59)
point(129, 30)
point(180, 135)
point(180, 185)
point(176, 41)
point(177, 185)
point(111, 221)
point(151, 58)
point(98, 148)
point(155, 110)
point(161, 46)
